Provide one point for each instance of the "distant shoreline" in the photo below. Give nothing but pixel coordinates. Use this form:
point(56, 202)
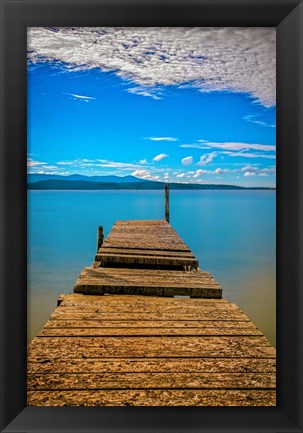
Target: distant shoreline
point(80, 182)
point(70, 186)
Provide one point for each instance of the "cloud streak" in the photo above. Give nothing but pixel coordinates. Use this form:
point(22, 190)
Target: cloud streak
point(209, 59)
point(100, 163)
point(202, 144)
point(80, 97)
point(161, 138)
point(250, 155)
point(252, 119)
point(160, 157)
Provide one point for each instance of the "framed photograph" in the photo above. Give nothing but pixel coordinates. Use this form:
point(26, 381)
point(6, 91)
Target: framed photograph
point(78, 73)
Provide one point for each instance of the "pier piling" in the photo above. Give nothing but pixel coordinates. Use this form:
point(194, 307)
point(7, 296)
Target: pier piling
point(167, 202)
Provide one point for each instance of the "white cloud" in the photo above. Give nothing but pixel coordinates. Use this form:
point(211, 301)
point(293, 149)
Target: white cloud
point(207, 158)
point(38, 167)
point(187, 161)
point(208, 58)
point(97, 163)
point(222, 170)
point(250, 155)
point(194, 146)
point(80, 97)
point(199, 172)
point(181, 175)
point(252, 119)
point(160, 157)
point(250, 169)
point(237, 146)
point(145, 174)
point(143, 91)
point(161, 138)
point(269, 170)
point(32, 163)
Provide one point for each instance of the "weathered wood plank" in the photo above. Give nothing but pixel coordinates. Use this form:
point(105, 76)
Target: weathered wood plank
point(132, 342)
point(156, 235)
point(134, 251)
point(149, 274)
point(151, 347)
point(146, 282)
point(160, 365)
point(135, 259)
point(155, 245)
point(95, 381)
point(96, 289)
point(220, 326)
point(100, 307)
point(145, 332)
point(153, 398)
point(133, 301)
point(205, 315)
point(135, 350)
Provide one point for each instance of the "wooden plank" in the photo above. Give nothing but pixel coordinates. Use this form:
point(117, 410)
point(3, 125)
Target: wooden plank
point(153, 398)
point(150, 274)
point(100, 307)
point(95, 381)
point(152, 245)
point(134, 251)
point(126, 332)
point(138, 350)
point(121, 350)
point(151, 347)
point(221, 327)
point(131, 301)
point(147, 282)
point(148, 243)
point(207, 316)
point(156, 235)
point(160, 365)
point(106, 259)
point(140, 223)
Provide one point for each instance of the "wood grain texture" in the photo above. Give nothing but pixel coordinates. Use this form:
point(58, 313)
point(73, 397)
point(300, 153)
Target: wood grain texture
point(151, 243)
point(96, 381)
point(101, 280)
point(153, 398)
point(157, 365)
point(162, 337)
point(101, 350)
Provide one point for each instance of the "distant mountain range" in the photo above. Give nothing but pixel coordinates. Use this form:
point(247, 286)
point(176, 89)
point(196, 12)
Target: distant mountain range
point(79, 182)
point(32, 178)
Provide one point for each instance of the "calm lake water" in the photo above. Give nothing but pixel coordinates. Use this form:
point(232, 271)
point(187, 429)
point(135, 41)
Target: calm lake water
point(232, 233)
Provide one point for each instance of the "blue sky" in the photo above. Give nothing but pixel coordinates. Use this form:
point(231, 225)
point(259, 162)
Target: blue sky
point(177, 105)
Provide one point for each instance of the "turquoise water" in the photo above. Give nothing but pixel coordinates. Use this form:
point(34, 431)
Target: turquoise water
point(232, 233)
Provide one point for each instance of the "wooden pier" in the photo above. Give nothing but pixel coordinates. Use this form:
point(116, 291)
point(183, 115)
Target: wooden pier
point(182, 345)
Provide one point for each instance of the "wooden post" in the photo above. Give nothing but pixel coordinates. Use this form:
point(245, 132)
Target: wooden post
point(167, 202)
point(100, 237)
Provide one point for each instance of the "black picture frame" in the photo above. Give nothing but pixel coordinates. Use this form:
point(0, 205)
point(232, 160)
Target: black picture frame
point(287, 17)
